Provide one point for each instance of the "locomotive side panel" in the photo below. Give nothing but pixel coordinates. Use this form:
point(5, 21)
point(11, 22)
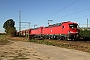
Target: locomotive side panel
point(37, 31)
point(34, 31)
point(65, 28)
point(58, 30)
point(48, 30)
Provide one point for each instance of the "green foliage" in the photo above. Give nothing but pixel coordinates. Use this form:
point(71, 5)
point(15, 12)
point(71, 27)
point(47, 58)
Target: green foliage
point(9, 23)
point(42, 42)
point(1, 36)
point(85, 33)
point(9, 27)
point(12, 31)
point(32, 40)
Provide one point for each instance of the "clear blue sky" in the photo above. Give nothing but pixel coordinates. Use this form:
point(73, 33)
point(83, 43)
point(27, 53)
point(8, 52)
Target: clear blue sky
point(40, 11)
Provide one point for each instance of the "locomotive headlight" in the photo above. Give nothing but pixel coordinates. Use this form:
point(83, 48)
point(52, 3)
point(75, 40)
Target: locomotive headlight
point(73, 32)
point(76, 32)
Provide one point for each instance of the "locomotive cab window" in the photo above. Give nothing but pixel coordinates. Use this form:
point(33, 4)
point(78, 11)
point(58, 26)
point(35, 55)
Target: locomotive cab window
point(62, 27)
point(73, 25)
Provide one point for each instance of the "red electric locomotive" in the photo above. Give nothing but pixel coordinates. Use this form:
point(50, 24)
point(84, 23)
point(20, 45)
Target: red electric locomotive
point(65, 30)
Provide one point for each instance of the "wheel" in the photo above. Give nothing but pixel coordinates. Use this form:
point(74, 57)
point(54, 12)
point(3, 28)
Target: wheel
point(62, 38)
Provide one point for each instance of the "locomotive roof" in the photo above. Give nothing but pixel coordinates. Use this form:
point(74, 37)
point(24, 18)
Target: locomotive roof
point(59, 24)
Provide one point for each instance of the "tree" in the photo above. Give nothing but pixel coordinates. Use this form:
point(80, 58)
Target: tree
point(9, 27)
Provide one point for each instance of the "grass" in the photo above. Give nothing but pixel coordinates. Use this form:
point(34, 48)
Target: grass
point(3, 40)
point(2, 36)
point(62, 44)
point(41, 42)
point(47, 42)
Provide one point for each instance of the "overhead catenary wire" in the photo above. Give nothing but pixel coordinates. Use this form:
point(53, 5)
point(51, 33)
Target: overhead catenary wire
point(74, 13)
point(65, 7)
point(79, 17)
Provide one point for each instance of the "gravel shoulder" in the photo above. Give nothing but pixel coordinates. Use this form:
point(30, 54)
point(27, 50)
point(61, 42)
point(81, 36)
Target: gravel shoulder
point(19, 50)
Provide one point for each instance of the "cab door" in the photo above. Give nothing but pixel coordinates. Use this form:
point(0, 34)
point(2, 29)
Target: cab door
point(64, 29)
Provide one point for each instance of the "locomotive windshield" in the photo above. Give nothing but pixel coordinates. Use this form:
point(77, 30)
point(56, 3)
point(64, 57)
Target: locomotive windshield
point(73, 25)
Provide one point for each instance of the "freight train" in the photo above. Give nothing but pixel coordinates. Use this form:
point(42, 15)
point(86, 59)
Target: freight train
point(61, 31)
